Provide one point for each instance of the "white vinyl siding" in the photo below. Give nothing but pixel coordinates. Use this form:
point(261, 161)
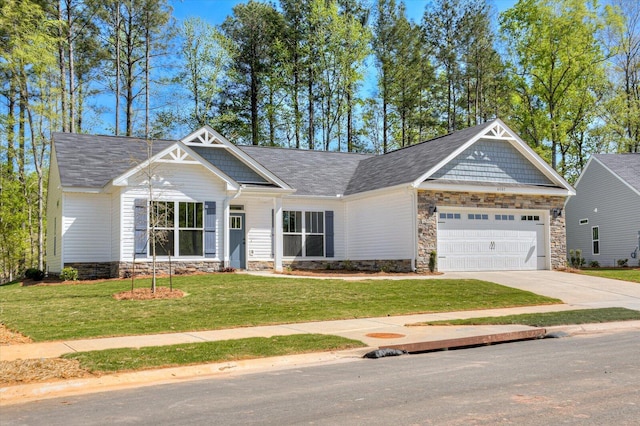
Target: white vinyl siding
point(258, 229)
point(54, 218)
point(115, 224)
point(86, 227)
point(381, 227)
point(610, 205)
point(177, 182)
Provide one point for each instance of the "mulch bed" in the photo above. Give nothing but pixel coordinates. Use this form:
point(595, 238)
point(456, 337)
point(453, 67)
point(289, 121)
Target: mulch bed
point(8, 337)
point(146, 294)
point(23, 371)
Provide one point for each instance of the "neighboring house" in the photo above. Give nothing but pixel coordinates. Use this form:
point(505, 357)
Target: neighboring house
point(603, 219)
point(480, 197)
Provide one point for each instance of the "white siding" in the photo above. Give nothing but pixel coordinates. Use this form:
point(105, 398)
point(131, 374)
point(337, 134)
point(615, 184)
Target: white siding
point(54, 218)
point(115, 223)
point(381, 227)
point(86, 227)
point(174, 182)
point(339, 220)
point(612, 206)
point(258, 227)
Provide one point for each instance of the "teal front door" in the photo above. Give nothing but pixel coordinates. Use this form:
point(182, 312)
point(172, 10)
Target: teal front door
point(237, 249)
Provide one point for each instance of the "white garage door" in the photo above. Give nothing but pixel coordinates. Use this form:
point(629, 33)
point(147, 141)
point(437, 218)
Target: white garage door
point(476, 240)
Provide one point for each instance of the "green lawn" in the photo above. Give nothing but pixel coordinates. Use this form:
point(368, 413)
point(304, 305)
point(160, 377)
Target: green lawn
point(199, 353)
point(548, 319)
point(220, 301)
point(632, 275)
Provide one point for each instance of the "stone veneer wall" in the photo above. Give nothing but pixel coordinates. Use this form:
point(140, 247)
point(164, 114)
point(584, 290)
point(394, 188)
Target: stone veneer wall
point(428, 224)
point(99, 270)
point(401, 265)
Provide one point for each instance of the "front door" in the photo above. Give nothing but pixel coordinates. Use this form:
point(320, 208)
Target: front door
point(237, 257)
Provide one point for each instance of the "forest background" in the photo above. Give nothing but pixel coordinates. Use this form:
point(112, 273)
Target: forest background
point(339, 75)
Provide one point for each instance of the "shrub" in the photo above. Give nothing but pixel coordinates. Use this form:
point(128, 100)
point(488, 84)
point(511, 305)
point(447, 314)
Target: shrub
point(594, 264)
point(69, 274)
point(432, 260)
point(623, 263)
point(575, 259)
point(34, 274)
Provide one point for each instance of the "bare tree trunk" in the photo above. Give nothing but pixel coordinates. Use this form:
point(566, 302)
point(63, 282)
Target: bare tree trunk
point(311, 111)
point(63, 72)
point(118, 23)
point(146, 77)
point(72, 101)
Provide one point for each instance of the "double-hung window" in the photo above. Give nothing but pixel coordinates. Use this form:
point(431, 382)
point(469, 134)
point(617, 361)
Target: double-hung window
point(292, 233)
point(181, 237)
point(314, 233)
point(303, 234)
point(190, 229)
point(595, 239)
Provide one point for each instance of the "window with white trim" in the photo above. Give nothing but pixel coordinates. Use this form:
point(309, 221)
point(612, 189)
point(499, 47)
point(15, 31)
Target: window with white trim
point(505, 217)
point(171, 237)
point(533, 218)
point(303, 234)
point(584, 221)
point(595, 239)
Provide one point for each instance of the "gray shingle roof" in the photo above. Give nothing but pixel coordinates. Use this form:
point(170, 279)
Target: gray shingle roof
point(90, 161)
point(93, 161)
point(408, 164)
point(318, 173)
point(626, 166)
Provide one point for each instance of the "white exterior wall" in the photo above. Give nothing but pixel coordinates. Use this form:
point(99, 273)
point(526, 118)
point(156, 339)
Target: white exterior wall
point(339, 219)
point(382, 227)
point(175, 182)
point(86, 227)
point(54, 218)
point(258, 228)
point(115, 223)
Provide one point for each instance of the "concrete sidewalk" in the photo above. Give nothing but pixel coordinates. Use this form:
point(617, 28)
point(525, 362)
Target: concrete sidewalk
point(577, 291)
point(358, 329)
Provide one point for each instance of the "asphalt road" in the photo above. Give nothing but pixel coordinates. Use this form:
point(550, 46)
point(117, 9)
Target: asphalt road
point(586, 380)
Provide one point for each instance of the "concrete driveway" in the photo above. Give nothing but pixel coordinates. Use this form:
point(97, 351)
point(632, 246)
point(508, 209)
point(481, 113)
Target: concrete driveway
point(573, 289)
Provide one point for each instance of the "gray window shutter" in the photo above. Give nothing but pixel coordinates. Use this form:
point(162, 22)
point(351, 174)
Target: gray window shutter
point(140, 220)
point(328, 218)
point(209, 229)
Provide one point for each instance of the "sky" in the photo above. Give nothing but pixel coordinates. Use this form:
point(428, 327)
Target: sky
point(215, 11)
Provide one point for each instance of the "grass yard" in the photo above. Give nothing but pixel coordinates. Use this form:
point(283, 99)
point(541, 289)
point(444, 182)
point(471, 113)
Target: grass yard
point(632, 275)
point(218, 301)
point(112, 360)
point(549, 319)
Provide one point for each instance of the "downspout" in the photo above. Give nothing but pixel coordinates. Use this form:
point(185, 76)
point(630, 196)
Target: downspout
point(227, 205)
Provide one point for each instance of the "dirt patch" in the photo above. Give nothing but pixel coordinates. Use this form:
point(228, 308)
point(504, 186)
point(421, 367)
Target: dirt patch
point(146, 294)
point(37, 370)
point(8, 337)
point(385, 335)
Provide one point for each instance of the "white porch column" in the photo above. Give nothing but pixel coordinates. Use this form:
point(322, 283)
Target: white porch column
point(277, 237)
point(225, 231)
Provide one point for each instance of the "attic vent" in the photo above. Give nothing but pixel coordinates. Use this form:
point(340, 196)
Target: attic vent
point(584, 221)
